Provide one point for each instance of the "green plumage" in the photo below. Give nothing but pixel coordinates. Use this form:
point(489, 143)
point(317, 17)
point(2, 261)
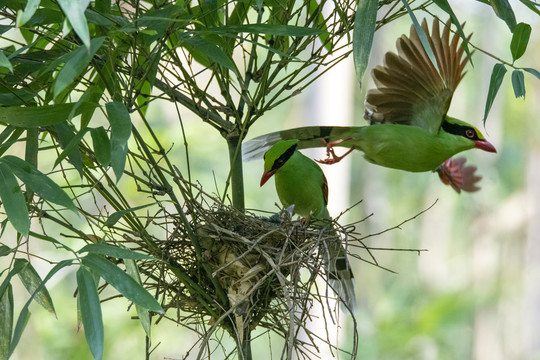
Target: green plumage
point(409, 129)
point(301, 182)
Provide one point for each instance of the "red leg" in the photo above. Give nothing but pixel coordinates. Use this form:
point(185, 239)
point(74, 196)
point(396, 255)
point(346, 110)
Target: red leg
point(332, 157)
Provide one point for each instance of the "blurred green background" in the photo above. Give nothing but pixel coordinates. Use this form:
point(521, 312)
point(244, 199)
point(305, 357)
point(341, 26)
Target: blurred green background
point(475, 292)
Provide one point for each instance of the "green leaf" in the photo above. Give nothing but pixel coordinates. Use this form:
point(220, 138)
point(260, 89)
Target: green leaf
point(32, 282)
point(497, 76)
point(35, 116)
point(533, 71)
point(142, 312)
point(102, 145)
point(122, 282)
point(518, 83)
point(29, 11)
point(520, 40)
point(214, 53)
point(114, 217)
point(38, 182)
point(89, 102)
point(74, 11)
point(4, 62)
point(17, 267)
point(6, 325)
point(76, 63)
point(25, 314)
point(103, 6)
point(504, 11)
point(315, 9)
point(445, 6)
point(65, 135)
point(4, 250)
point(90, 312)
point(71, 146)
point(120, 132)
point(267, 29)
point(422, 35)
point(13, 201)
point(364, 29)
point(114, 251)
point(532, 5)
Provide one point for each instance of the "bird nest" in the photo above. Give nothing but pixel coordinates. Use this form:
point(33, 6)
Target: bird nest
point(235, 271)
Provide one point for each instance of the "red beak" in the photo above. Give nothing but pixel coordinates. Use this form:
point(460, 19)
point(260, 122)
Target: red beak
point(485, 145)
point(267, 175)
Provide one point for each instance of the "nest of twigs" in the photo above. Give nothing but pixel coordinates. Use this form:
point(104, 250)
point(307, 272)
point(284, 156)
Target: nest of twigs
point(239, 272)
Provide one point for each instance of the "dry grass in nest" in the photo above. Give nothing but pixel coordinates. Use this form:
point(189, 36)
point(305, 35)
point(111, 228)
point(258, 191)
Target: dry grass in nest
point(226, 269)
point(266, 269)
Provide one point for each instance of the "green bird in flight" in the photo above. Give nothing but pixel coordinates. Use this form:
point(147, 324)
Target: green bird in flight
point(407, 111)
point(301, 182)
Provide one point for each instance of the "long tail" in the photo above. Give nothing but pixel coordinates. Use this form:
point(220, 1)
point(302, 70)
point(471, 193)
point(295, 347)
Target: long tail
point(340, 276)
point(309, 136)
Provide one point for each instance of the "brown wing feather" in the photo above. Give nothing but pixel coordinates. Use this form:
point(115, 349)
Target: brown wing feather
point(409, 88)
point(325, 190)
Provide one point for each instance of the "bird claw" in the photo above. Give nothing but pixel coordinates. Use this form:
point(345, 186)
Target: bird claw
point(453, 172)
point(332, 158)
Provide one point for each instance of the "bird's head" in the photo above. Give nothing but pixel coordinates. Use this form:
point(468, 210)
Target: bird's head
point(276, 156)
point(468, 132)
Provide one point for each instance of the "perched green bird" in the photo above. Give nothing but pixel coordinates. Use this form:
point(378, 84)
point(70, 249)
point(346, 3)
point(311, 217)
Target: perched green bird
point(409, 126)
point(301, 182)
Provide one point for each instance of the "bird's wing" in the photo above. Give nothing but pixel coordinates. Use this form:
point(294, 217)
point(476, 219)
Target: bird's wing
point(409, 88)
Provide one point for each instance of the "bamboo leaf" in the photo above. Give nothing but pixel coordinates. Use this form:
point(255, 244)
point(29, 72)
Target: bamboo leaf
point(38, 116)
point(71, 146)
point(102, 145)
point(364, 29)
point(4, 62)
point(27, 13)
point(122, 282)
point(13, 201)
point(22, 320)
point(17, 267)
point(497, 76)
point(504, 11)
point(4, 250)
point(74, 11)
point(532, 5)
point(66, 135)
point(38, 182)
point(142, 312)
point(120, 132)
point(75, 64)
point(533, 71)
point(445, 6)
point(518, 83)
point(6, 325)
point(25, 314)
point(214, 53)
point(116, 216)
point(520, 40)
point(422, 35)
point(90, 312)
point(267, 29)
point(33, 283)
point(114, 251)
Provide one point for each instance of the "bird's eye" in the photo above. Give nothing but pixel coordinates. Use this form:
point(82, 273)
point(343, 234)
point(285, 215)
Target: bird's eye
point(470, 133)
